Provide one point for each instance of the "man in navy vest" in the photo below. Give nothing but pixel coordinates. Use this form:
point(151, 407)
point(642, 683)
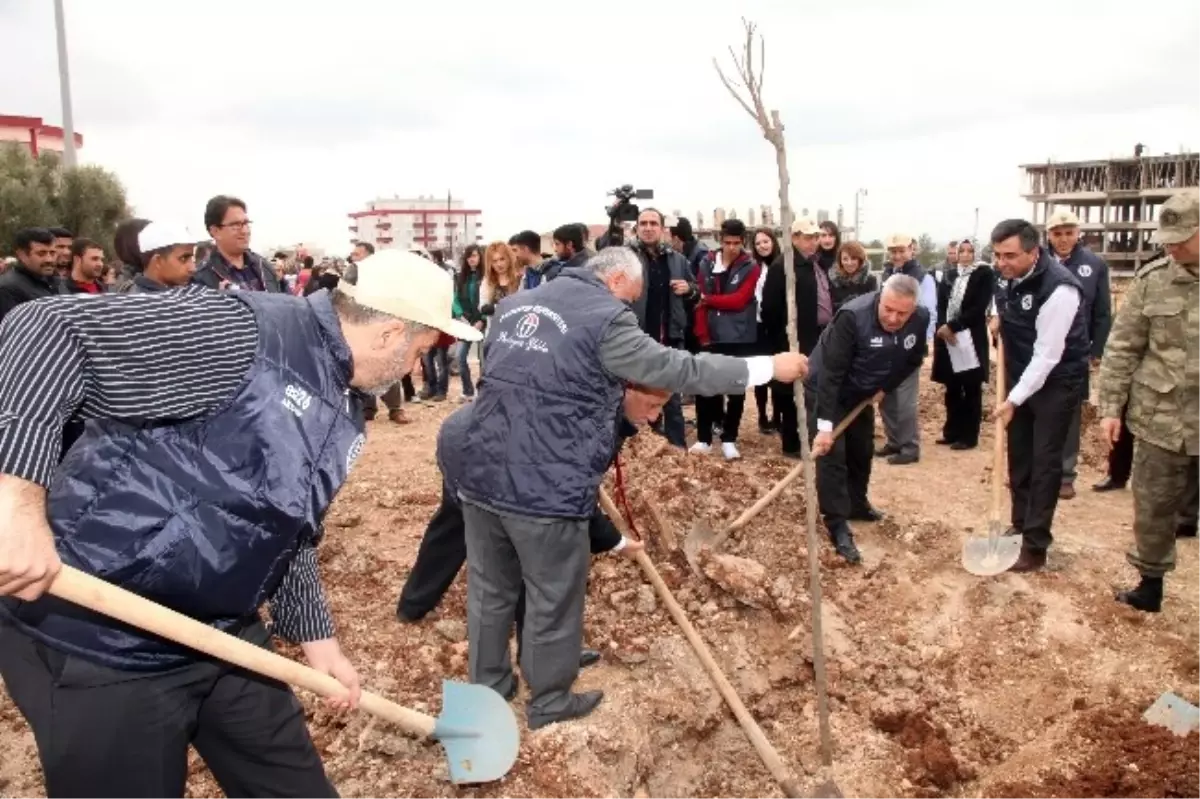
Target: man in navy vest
point(540, 441)
point(874, 343)
point(1062, 233)
point(1046, 350)
point(899, 408)
point(220, 427)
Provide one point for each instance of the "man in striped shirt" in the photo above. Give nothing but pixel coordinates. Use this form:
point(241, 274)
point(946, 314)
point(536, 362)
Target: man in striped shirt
point(220, 427)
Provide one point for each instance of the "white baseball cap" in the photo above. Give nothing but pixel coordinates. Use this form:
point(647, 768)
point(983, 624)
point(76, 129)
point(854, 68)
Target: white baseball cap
point(160, 235)
point(407, 286)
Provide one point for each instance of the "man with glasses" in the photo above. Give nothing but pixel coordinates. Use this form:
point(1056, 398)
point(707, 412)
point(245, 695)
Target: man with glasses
point(231, 264)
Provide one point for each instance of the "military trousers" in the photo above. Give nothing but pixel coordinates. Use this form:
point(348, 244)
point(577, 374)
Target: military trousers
point(550, 557)
point(1164, 483)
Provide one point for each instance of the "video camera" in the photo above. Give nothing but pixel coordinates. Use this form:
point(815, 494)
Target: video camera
point(622, 210)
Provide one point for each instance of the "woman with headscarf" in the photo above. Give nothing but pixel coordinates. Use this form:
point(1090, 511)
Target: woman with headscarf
point(159, 256)
point(963, 300)
point(850, 275)
point(767, 253)
point(828, 245)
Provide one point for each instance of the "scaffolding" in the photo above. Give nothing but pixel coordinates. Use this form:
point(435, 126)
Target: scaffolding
point(1117, 200)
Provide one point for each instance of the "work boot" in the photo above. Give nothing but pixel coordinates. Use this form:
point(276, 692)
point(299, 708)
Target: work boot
point(867, 513)
point(843, 542)
point(1031, 560)
point(1147, 597)
point(397, 416)
point(1066, 491)
point(1186, 530)
point(1109, 484)
point(886, 450)
point(580, 706)
point(588, 657)
point(903, 458)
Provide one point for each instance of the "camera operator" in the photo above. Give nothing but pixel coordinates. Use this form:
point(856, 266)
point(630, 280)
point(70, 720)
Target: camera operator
point(663, 307)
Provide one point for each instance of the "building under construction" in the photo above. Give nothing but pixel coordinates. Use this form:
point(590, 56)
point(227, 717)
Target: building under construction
point(1116, 200)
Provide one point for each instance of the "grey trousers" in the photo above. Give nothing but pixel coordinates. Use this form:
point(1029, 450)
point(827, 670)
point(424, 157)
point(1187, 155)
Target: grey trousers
point(551, 557)
point(1071, 450)
point(899, 413)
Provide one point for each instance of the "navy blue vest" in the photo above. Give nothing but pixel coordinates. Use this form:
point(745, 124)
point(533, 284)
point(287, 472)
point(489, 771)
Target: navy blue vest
point(911, 268)
point(204, 516)
point(541, 435)
point(1090, 270)
point(878, 353)
point(1018, 322)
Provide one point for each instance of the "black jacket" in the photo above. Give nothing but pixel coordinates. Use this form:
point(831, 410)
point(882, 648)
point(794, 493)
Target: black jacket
point(972, 316)
point(69, 286)
point(18, 286)
point(215, 269)
point(774, 309)
point(842, 290)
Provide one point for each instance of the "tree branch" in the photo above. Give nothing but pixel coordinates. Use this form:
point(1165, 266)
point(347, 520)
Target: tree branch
point(734, 91)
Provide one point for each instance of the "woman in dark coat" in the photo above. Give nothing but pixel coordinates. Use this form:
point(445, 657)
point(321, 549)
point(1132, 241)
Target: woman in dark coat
point(767, 253)
point(829, 245)
point(963, 299)
point(851, 275)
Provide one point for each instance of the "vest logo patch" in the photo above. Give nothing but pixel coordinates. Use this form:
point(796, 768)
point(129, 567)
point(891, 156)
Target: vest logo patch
point(523, 329)
point(1027, 302)
point(877, 341)
point(1085, 270)
point(1002, 283)
point(527, 325)
point(356, 448)
point(296, 399)
point(910, 341)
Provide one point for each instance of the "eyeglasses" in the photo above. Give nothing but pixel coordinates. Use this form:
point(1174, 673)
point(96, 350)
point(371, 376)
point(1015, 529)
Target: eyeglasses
point(242, 224)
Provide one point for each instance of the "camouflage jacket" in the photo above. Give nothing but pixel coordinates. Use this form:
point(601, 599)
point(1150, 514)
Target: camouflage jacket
point(1151, 365)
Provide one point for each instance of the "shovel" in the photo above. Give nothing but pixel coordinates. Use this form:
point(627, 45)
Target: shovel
point(702, 533)
point(995, 554)
point(477, 728)
point(1175, 713)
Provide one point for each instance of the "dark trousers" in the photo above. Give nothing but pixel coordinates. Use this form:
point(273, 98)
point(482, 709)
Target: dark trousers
point(442, 553)
point(724, 410)
point(104, 732)
point(964, 410)
point(844, 473)
point(783, 399)
point(1037, 436)
point(436, 363)
point(761, 393)
point(1120, 457)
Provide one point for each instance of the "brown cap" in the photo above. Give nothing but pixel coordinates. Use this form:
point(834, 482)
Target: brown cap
point(1179, 218)
point(1062, 218)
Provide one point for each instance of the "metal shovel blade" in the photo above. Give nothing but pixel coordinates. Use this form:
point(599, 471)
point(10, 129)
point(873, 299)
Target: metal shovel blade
point(479, 732)
point(991, 555)
point(1175, 713)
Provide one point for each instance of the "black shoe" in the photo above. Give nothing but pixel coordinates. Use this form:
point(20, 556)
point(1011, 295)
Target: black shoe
point(588, 657)
point(512, 692)
point(580, 706)
point(425, 395)
point(903, 459)
point(369, 414)
point(1185, 531)
point(959, 446)
point(1031, 560)
point(886, 450)
point(1013, 531)
point(945, 442)
point(843, 542)
point(1109, 484)
point(438, 398)
point(767, 428)
point(408, 616)
point(1147, 597)
point(867, 514)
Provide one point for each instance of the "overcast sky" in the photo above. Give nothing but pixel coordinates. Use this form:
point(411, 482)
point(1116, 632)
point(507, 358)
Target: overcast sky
point(531, 111)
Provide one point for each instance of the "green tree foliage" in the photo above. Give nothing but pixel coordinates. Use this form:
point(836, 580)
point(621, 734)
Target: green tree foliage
point(89, 201)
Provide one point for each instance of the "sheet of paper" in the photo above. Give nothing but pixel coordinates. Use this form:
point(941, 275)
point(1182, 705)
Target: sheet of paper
point(962, 355)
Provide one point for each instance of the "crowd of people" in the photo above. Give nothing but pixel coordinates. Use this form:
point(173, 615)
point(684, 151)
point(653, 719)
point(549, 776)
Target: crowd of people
point(180, 425)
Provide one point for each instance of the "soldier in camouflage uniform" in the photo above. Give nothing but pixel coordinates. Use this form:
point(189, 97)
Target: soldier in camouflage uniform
point(1153, 363)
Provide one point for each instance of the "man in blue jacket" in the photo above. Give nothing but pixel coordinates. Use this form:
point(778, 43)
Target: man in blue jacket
point(1062, 231)
point(223, 425)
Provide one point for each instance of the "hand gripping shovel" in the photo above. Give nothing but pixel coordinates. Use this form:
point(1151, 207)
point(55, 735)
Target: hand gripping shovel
point(477, 728)
point(987, 557)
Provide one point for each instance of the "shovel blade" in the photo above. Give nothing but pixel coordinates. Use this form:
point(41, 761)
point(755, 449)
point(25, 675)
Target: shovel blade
point(987, 557)
point(479, 732)
point(1175, 713)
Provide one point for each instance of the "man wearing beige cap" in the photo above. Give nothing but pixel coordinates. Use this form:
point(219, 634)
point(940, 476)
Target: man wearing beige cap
point(1150, 371)
point(899, 408)
point(1062, 232)
point(230, 421)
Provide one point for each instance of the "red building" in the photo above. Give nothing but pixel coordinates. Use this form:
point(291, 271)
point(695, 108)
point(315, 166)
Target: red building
point(34, 134)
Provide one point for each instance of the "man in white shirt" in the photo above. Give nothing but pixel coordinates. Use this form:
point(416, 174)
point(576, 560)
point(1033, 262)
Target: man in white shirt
point(1046, 347)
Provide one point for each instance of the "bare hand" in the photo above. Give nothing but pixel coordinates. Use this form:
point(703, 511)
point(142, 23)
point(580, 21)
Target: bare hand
point(680, 287)
point(1003, 412)
point(878, 398)
point(1110, 430)
point(947, 335)
point(326, 657)
point(790, 367)
point(28, 560)
point(632, 548)
point(822, 444)
point(478, 325)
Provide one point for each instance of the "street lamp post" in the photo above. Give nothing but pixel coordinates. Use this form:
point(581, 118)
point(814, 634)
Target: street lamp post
point(64, 85)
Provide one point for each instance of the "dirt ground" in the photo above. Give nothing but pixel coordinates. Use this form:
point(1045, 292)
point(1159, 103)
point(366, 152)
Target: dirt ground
point(940, 683)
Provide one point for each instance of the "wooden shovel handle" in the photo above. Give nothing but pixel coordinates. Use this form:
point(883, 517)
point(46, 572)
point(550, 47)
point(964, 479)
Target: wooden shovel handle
point(97, 595)
point(998, 444)
point(758, 738)
point(788, 478)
